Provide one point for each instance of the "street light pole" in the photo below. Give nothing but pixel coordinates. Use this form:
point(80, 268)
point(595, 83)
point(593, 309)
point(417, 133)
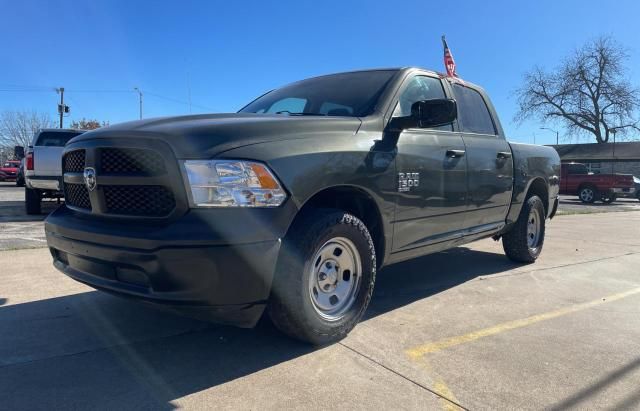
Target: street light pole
point(613, 169)
point(140, 97)
point(550, 129)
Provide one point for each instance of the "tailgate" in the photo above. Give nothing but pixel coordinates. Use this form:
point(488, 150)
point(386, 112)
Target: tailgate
point(47, 161)
point(623, 180)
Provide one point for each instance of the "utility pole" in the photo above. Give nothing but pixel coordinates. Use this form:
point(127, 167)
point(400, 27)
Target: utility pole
point(61, 107)
point(140, 97)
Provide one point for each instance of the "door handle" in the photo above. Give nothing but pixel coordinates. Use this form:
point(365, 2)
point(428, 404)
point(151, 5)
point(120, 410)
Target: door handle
point(504, 155)
point(455, 153)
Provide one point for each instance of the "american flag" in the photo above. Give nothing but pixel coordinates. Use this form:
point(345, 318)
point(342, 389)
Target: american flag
point(449, 63)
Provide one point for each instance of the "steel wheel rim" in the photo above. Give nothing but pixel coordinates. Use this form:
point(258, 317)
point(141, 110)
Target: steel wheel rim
point(586, 194)
point(335, 275)
point(533, 229)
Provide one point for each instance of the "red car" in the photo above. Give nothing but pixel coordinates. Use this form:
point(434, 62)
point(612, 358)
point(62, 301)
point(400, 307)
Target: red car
point(576, 180)
point(9, 170)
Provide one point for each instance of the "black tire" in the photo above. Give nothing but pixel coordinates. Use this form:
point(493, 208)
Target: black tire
point(515, 242)
point(609, 198)
point(291, 307)
point(32, 199)
point(587, 194)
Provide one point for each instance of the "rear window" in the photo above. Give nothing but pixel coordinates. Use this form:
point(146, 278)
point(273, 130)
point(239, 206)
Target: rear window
point(55, 138)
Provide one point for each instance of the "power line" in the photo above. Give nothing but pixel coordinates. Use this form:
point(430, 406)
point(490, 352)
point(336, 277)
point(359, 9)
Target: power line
point(177, 101)
point(43, 89)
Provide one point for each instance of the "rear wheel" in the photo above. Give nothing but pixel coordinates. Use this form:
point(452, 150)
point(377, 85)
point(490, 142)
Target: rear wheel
point(587, 194)
point(325, 277)
point(32, 199)
point(609, 198)
point(524, 242)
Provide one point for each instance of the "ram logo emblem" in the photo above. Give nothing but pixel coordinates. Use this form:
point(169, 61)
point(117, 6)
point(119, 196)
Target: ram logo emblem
point(89, 176)
point(406, 181)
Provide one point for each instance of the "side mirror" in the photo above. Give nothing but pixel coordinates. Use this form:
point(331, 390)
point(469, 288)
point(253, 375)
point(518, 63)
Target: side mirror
point(427, 113)
point(18, 152)
point(434, 113)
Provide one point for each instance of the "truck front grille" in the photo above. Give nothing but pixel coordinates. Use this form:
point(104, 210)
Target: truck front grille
point(74, 161)
point(77, 195)
point(139, 180)
point(153, 201)
point(131, 161)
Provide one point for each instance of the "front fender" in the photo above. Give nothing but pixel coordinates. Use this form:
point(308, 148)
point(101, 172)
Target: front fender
point(308, 166)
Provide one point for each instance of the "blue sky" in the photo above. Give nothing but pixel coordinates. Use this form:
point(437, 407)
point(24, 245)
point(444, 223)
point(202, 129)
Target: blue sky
point(227, 53)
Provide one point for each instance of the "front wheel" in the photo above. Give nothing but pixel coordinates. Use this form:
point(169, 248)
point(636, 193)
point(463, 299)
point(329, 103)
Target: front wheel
point(587, 194)
point(524, 242)
point(325, 277)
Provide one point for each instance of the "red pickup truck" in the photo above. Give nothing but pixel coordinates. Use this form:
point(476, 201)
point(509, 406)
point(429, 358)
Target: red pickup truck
point(576, 180)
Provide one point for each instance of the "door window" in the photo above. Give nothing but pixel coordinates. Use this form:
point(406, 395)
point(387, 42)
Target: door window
point(473, 113)
point(420, 88)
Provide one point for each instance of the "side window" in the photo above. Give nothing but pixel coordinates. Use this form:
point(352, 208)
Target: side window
point(473, 113)
point(290, 104)
point(577, 169)
point(420, 88)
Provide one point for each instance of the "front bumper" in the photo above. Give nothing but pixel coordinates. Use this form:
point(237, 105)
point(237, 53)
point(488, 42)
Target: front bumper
point(200, 264)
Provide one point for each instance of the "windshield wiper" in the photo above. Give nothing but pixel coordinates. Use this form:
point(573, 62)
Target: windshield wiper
point(299, 114)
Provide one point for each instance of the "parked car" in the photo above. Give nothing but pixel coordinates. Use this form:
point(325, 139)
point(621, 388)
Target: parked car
point(43, 169)
point(577, 180)
point(293, 204)
point(20, 176)
point(9, 170)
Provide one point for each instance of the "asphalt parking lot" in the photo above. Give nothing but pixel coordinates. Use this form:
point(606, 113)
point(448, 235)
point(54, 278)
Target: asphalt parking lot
point(465, 328)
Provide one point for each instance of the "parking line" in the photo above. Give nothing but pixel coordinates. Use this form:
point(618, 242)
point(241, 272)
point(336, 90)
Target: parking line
point(422, 350)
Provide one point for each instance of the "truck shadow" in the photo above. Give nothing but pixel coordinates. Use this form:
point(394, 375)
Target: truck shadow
point(91, 348)
point(13, 211)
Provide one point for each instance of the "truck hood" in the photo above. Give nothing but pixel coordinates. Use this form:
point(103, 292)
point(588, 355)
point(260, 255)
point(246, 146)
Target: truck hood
point(203, 136)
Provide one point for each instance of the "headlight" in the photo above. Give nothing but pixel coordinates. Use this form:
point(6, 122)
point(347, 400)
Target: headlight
point(232, 183)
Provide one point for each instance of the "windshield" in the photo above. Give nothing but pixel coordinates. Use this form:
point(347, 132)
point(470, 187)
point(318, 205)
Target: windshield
point(347, 94)
point(55, 138)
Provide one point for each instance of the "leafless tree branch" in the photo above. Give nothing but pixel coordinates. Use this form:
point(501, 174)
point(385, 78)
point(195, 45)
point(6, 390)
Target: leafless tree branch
point(588, 93)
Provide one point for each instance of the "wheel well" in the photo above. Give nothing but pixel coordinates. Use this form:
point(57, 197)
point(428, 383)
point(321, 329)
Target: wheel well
point(357, 202)
point(539, 187)
point(584, 185)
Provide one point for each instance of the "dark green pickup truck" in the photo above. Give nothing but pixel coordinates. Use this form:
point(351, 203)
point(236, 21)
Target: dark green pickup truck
point(293, 203)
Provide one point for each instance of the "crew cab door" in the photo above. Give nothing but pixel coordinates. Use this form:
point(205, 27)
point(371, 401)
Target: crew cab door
point(489, 161)
point(432, 174)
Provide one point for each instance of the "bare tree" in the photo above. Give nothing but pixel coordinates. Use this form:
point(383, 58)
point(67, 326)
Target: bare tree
point(18, 127)
point(588, 94)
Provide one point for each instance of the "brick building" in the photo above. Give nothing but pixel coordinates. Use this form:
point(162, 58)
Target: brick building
point(603, 158)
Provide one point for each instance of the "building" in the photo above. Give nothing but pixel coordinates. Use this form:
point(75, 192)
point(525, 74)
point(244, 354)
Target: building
point(603, 158)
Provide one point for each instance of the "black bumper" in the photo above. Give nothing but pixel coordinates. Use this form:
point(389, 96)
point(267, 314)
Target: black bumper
point(216, 264)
